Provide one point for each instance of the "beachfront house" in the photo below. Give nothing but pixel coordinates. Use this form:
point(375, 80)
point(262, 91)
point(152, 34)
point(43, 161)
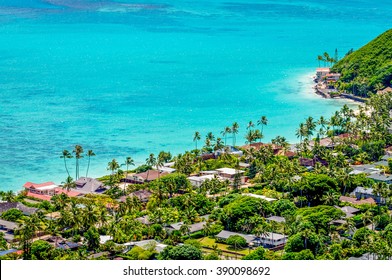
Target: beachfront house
point(45, 191)
point(145, 177)
point(86, 185)
point(321, 73)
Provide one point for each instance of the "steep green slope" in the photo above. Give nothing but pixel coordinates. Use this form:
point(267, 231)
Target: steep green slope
point(369, 68)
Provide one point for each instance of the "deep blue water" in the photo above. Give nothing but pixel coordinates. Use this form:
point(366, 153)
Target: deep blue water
point(129, 78)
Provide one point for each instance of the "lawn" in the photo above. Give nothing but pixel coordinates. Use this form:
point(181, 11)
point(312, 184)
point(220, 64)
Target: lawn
point(210, 242)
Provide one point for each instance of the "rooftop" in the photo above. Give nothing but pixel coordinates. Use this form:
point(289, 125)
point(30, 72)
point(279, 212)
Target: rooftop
point(8, 225)
point(4, 206)
point(259, 196)
point(42, 186)
point(192, 228)
point(356, 201)
point(229, 171)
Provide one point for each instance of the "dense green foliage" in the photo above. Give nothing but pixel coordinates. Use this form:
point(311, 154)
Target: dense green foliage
point(184, 252)
point(369, 68)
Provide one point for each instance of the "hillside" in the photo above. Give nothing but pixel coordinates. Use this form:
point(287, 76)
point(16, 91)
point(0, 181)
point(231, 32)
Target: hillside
point(368, 69)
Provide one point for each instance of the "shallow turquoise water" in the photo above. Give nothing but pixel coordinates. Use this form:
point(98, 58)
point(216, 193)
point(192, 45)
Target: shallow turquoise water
point(129, 78)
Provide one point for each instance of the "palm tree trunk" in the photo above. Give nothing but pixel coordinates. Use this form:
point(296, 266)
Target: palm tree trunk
point(88, 166)
point(66, 168)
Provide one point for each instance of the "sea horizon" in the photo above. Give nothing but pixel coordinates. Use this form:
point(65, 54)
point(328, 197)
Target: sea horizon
point(130, 79)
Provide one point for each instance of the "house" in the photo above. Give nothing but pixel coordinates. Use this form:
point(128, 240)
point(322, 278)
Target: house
point(332, 77)
point(45, 191)
point(366, 169)
point(145, 177)
point(257, 146)
point(259, 196)
point(230, 173)
point(321, 73)
point(192, 228)
point(5, 206)
point(364, 193)
point(86, 185)
point(381, 178)
point(142, 195)
point(145, 244)
point(225, 234)
point(8, 229)
point(197, 181)
point(348, 211)
point(269, 239)
point(356, 201)
point(229, 150)
point(68, 245)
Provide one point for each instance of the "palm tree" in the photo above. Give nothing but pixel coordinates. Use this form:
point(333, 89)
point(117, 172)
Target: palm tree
point(366, 217)
point(113, 166)
point(78, 151)
point(69, 184)
point(150, 162)
point(250, 125)
point(196, 138)
point(262, 121)
point(326, 57)
point(257, 134)
point(250, 136)
point(234, 130)
point(8, 196)
point(320, 58)
point(128, 161)
point(226, 131)
point(66, 154)
point(310, 125)
point(218, 145)
point(261, 231)
point(185, 229)
point(159, 162)
point(89, 154)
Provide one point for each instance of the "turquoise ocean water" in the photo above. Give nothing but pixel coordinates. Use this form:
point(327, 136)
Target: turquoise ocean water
point(129, 78)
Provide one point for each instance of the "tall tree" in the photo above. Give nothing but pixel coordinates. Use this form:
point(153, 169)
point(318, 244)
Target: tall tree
point(262, 121)
point(150, 162)
point(113, 166)
point(89, 154)
point(78, 151)
point(225, 132)
point(234, 130)
point(66, 154)
point(128, 161)
point(196, 138)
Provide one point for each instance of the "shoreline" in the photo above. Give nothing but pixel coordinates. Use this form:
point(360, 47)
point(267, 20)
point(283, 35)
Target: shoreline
point(325, 94)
